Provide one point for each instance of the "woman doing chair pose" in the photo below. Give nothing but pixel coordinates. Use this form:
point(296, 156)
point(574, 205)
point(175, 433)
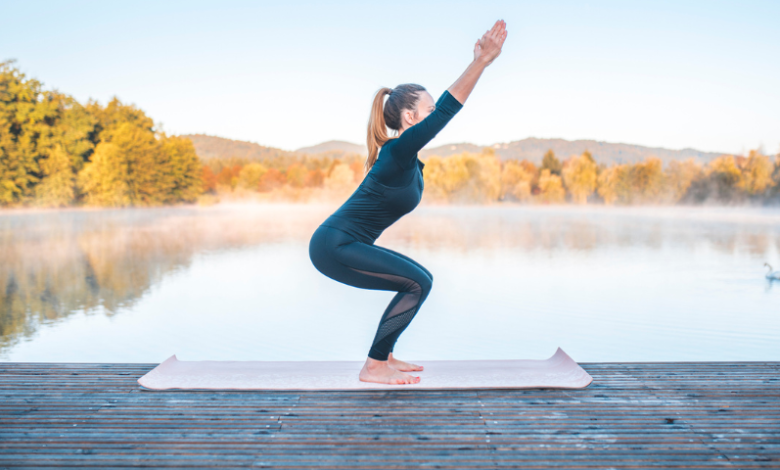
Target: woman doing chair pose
point(342, 248)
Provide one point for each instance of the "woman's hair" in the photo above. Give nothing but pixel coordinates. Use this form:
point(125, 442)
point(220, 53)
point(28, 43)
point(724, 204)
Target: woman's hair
point(384, 115)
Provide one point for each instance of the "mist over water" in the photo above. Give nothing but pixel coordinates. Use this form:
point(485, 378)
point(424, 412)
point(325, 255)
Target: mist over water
point(234, 282)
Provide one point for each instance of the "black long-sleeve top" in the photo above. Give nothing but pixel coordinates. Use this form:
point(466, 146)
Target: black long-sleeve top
point(394, 185)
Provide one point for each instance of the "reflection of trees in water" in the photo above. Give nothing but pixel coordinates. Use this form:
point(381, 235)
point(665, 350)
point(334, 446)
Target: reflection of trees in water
point(530, 229)
point(59, 262)
point(53, 264)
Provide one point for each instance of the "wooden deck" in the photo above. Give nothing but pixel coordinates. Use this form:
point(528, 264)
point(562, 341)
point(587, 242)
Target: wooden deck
point(633, 415)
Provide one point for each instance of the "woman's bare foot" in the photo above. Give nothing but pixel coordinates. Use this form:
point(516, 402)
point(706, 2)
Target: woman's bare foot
point(404, 366)
point(381, 372)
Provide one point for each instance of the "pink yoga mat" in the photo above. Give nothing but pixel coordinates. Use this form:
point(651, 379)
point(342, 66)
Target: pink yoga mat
point(559, 371)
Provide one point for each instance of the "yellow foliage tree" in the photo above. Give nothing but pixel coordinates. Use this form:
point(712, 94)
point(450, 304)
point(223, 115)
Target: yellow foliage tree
point(647, 180)
point(723, 177)
point(580, 174)
point(250, 175)
point(296, 174)
point(756, 174)
point(127, 169)
point(183, 170)
point(435, 177)
point(550, 187)
point(341, 178)
point(678, 179)
point(611, 183)
point(516, 181)
point(57, 188)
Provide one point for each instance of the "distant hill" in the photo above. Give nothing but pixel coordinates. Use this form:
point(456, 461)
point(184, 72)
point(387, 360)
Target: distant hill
point(532, 149)
point(208, 146)
point(335, 145)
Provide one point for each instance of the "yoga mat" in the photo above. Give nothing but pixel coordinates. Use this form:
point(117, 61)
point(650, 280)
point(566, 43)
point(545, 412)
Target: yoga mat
point(559, 371)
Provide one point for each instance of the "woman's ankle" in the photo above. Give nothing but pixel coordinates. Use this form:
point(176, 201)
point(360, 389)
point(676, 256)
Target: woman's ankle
point(372, 363)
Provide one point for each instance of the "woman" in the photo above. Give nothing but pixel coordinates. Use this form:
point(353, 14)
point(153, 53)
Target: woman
point(343, 248)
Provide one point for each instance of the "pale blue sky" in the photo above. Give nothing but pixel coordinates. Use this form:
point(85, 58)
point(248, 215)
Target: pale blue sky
point(675, 74)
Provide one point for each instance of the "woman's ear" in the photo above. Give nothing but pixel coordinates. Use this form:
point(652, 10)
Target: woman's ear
point(408, 118)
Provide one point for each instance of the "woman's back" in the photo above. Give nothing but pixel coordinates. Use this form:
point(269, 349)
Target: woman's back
point(394, 185)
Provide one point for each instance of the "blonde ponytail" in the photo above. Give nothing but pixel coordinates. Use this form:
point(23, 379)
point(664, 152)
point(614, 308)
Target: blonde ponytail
point(386, 115)
point(377, 128)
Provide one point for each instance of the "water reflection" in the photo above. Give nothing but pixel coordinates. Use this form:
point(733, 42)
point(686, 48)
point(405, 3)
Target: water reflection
point(101, 262)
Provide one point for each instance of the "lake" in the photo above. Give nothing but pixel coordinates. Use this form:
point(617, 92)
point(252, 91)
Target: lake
point(234, 282)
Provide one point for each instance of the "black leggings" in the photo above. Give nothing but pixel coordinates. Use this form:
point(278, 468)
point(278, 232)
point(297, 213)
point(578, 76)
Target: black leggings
point(342, 257)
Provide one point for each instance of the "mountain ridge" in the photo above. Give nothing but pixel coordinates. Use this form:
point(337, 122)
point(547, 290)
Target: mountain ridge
point(531, 148)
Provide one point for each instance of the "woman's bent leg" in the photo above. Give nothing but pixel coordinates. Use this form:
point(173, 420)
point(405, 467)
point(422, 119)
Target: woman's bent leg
point(345, 259)
point(388, 250)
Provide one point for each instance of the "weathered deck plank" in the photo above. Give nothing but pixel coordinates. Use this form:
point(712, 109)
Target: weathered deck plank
point(633, 415)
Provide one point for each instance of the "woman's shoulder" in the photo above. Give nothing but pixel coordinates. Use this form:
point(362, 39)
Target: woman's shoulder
point(391, 141)
point(388, 145)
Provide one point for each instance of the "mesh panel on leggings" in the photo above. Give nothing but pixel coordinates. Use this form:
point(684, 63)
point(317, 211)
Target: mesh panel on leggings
point(394, 323)
point(401, 310)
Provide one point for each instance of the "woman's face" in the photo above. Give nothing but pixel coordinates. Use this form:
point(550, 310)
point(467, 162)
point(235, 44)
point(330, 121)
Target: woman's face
point(425, 106)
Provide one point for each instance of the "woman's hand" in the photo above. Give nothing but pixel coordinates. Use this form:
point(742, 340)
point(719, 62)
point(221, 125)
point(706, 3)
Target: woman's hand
point(485, 51)
point(488, 47)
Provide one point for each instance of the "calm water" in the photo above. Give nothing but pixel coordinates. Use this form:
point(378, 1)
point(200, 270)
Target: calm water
point(234, 282)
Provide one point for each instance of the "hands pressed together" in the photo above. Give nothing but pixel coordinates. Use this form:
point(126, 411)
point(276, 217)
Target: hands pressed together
point(488, 47)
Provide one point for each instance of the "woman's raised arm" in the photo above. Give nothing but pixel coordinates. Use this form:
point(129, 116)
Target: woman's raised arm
point(413, 139)
point(487, 48)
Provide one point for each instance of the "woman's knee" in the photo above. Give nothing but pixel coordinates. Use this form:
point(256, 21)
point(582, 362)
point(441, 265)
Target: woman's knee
point(426, 283)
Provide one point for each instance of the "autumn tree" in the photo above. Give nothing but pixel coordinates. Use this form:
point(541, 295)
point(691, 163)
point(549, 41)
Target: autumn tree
point(721, 181)
point(776, 175)
point(126, 169)
point(647, 180)
point(549, 162)
point(341, 178)
point(756, 174)
point(678, 179)
point(228, 176)
point(271, 179)
point(208, 179)
point(44, 141)
point(612, 184)
point(182, 169)
point(56, 152)
point(250, 176)
point(314, 178)
point(550, 187)
point(580, 174)
point(296, 174)
point(516, 181)
point(446, 176)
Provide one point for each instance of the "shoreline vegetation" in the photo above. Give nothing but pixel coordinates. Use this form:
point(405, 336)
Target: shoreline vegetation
point(58, 153)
